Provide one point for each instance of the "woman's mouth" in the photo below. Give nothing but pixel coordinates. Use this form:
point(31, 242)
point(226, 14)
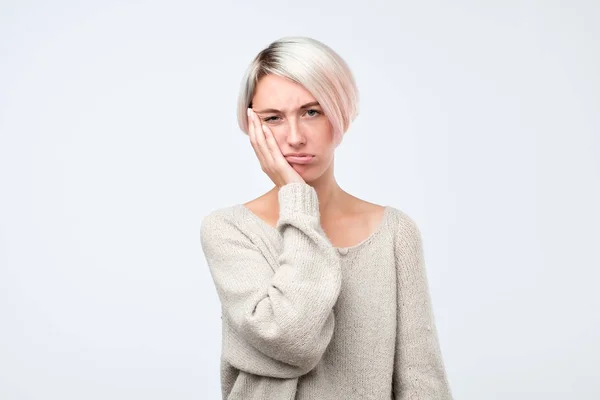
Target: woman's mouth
point(299, 159)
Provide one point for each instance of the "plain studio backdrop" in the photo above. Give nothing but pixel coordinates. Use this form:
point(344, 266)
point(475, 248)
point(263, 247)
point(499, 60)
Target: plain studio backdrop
point(118, 134)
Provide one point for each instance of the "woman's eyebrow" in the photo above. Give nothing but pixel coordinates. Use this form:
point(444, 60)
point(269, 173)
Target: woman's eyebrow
point(273, 110)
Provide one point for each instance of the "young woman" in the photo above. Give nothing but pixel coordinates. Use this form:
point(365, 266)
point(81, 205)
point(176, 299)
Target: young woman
point(323, 295)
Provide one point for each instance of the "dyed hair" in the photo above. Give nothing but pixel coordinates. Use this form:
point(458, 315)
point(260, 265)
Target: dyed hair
point(316, 67)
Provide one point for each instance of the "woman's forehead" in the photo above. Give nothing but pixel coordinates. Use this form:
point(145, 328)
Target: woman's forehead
point(276, 92)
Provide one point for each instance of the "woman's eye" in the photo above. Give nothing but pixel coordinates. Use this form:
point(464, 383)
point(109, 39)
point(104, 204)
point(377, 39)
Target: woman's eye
point(316, 112)
point(270, 119)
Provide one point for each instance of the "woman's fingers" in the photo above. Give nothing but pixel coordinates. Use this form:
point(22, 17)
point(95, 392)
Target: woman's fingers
point(262, 141)
point(272, 146)
point(253, 138)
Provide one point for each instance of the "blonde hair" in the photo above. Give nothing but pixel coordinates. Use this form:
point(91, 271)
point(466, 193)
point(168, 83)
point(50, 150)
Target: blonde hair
point(316, 67)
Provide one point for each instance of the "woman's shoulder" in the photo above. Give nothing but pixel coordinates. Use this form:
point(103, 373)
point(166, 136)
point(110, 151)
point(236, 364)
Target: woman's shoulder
point(402, 217)
point(236, 220)
point(405, 229)
point(219, 220)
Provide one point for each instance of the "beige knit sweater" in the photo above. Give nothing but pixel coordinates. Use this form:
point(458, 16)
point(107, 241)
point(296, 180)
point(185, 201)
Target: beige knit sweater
point(302, 319)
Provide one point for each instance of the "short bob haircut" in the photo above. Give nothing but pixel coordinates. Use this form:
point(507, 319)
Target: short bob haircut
point(316, 67)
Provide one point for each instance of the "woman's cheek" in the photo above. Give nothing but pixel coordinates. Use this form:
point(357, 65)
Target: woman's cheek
point(276, 129)
point(278, 133)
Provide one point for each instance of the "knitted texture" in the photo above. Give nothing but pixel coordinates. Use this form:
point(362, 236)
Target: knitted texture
point(302, 319)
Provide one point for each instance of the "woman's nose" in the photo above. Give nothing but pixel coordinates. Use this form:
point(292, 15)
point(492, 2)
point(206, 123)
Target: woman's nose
point(295, 135)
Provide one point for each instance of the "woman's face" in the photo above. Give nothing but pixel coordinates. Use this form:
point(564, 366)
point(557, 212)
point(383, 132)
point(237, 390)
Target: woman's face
point(297, 122)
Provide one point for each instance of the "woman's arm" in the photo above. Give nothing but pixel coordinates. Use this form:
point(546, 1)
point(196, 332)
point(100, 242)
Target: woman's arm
point(419, 371)
point(278, 319)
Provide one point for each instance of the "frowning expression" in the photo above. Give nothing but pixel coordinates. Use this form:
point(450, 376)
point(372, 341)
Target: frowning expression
point(295, 117)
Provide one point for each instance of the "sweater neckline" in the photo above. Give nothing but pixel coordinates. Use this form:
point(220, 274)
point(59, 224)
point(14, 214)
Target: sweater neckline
point(343, 250)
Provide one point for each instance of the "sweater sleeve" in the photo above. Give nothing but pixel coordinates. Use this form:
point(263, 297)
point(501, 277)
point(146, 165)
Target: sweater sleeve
point(419, 371)
point(277, 315)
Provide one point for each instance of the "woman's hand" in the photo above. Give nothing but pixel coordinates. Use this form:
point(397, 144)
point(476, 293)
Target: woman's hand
point(271, 158)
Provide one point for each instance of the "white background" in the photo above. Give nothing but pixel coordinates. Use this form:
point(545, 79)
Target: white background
point(118, 134)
